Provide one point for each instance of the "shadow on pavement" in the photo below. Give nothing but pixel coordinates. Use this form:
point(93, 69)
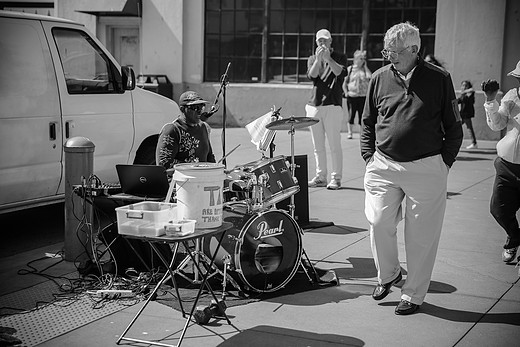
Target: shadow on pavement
point(32, 228)
point(461, 158)
point(464, 316)
point(265, 335)
point(336, 230)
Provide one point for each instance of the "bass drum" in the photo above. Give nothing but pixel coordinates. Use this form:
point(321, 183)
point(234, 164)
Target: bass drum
point(264, 249)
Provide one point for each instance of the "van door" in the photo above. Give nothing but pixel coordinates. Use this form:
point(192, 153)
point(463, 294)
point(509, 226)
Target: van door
point(94, 104)
point(30, 127)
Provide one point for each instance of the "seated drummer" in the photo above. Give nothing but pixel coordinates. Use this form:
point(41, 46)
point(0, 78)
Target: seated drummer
point(187, 138)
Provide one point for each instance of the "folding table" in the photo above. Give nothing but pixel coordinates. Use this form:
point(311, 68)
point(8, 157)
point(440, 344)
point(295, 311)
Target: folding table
point(170, 273)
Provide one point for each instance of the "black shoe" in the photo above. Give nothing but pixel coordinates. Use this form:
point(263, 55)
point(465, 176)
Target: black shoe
point(405, 307)
point(382, 290)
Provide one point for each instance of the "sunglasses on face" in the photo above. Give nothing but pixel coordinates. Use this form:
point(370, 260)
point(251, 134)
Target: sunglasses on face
point(196, 107)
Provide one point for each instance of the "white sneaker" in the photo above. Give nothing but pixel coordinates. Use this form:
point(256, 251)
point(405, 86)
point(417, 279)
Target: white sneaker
point(472, 146)
point(349, 136)
point(509, 254)
point(334, 184)
point(317, 182)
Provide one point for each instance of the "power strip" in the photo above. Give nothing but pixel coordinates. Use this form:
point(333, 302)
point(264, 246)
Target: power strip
point(113, 293)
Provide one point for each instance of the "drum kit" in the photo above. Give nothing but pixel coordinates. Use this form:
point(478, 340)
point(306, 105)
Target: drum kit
point(262, 183)
point(264, 249)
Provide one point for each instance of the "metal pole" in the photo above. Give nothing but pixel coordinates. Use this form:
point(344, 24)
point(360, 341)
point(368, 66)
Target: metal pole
point(79, 165)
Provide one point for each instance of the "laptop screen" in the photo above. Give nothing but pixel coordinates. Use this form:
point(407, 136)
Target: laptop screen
point(143, 180)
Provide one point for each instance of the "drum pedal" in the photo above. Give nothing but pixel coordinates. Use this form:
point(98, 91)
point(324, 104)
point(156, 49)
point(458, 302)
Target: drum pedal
point(226, 259)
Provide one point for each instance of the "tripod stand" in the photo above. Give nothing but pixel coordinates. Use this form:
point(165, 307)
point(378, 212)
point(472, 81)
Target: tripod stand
point(196, 258)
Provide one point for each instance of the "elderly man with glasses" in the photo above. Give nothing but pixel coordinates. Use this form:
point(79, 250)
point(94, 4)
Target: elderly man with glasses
point(411, 135)
point(186, 139)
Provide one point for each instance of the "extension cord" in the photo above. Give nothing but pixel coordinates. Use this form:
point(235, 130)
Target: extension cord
point(121, 293)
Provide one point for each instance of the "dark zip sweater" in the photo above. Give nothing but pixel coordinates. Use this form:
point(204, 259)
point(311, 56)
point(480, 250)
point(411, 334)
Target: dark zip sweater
point(407, 124)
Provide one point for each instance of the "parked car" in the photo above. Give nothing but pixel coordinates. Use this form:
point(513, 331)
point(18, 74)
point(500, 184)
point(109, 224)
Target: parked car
point(57, 81)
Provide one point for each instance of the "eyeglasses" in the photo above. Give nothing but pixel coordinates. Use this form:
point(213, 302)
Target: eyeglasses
point(392, 55)
point(196, 107)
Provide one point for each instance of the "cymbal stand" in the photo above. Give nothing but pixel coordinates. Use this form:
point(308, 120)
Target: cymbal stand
point(293, 168)
point(291, 211)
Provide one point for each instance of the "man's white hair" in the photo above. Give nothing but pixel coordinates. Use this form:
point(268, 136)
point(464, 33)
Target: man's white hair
point(406, 34)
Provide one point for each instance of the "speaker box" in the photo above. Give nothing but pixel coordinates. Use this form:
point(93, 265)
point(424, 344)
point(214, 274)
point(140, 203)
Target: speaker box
point(301, 199)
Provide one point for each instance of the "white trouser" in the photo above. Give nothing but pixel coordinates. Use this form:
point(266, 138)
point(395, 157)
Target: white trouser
point(330, 118)
point(424, 185)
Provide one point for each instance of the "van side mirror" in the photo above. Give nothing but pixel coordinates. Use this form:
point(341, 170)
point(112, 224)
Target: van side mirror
point(128, 78)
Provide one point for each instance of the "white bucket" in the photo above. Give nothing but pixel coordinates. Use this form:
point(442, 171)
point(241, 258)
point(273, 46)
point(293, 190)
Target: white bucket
point(199, 193)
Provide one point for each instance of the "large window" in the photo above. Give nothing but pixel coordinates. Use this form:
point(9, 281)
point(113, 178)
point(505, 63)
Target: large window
point(269, 41)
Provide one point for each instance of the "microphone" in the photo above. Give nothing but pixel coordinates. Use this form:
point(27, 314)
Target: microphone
point(205, 115)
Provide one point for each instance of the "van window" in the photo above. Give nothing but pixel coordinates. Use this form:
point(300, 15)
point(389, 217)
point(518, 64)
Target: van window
point(86, 68)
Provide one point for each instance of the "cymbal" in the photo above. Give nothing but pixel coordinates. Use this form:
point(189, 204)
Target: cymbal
point(291, 123)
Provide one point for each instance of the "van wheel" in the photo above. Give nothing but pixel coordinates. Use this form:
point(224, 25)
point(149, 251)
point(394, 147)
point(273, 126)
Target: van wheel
point(145, 155)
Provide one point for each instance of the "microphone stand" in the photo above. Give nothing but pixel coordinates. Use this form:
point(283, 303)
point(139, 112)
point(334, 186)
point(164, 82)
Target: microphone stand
point(224, 80)
point(272, 146)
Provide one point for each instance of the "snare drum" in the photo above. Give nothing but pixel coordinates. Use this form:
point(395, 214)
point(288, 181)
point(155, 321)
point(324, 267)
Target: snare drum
point(279, 181)
point(264, 249)
point(238, 185)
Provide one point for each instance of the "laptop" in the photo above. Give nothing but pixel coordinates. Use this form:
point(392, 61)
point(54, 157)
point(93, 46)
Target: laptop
point(145, 182)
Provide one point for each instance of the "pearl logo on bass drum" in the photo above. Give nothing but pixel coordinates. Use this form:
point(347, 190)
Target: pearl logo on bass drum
point(264, 231)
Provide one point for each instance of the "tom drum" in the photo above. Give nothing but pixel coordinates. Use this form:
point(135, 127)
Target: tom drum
point(279, 181)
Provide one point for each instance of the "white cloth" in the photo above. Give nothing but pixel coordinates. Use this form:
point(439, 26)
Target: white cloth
point(422, 185)
point(507, 115)
point(329, 126)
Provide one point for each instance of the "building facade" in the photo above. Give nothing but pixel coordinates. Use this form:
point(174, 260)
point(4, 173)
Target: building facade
point(266, 43)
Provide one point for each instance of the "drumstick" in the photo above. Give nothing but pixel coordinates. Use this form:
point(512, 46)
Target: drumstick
point(231, 151)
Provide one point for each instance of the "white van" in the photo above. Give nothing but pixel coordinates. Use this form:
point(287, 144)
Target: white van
point(57, 81)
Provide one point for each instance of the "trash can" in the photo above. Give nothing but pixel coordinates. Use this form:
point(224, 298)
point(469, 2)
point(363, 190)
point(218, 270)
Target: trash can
point(159, 84)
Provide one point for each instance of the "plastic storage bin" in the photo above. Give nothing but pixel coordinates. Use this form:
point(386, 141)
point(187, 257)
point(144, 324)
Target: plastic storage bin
point(180, 227)
point(146, 218)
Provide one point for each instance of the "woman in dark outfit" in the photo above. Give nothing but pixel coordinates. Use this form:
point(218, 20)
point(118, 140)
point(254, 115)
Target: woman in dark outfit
point(467, 109)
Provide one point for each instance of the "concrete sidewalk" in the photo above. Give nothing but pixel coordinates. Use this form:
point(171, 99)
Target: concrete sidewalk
point(473, 300)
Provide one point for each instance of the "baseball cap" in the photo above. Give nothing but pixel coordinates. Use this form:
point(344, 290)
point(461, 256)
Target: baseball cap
point(191, 98)
point(323, 33)
point(515, 72)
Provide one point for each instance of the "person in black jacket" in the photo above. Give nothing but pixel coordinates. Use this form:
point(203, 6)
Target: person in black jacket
point(411, 135)
point(467, 109)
